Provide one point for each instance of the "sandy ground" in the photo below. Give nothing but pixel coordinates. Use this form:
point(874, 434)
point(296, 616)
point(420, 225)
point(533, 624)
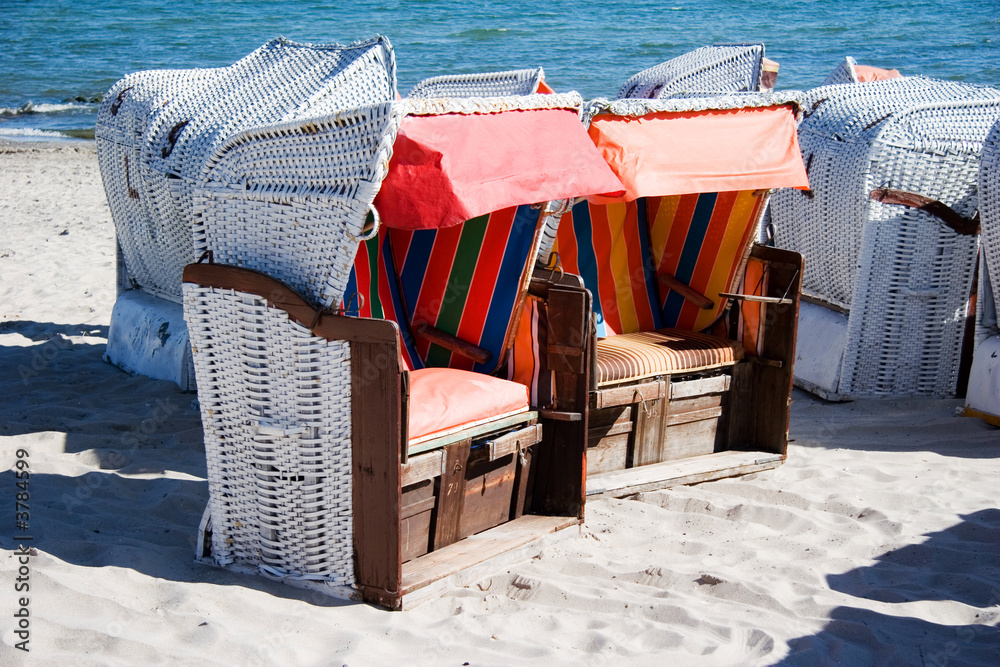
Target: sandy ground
point(878, 542)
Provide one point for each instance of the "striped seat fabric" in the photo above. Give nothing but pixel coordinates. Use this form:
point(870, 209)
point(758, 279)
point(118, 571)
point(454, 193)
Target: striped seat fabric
point(647, 354)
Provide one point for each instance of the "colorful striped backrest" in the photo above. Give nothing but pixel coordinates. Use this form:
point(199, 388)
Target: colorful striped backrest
point(469, 280)
point(621, 250)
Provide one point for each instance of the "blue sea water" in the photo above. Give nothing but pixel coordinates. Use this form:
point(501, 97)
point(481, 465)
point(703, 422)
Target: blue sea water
point(59, 56)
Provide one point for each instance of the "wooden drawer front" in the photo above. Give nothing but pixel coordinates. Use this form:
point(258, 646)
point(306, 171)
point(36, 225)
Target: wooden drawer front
point(417, 509)
point(608, 439)
point(692, 422)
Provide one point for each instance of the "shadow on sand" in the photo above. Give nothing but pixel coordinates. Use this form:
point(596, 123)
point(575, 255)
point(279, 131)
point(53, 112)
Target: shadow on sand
point(957, 566)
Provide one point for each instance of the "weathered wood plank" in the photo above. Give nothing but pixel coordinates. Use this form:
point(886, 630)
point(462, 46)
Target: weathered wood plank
point(451, 494)
point(424, 466)
point(674, 473)
point(376, 425)
point(608, 397)
point(476, 550)
point(609, 453)
point(709, 385)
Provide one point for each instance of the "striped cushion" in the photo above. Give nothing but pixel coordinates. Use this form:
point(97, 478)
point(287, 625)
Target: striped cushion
point(667, 351)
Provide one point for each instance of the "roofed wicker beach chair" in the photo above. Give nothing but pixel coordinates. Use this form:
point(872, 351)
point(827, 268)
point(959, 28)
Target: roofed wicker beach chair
point(709, 70)
point(983, 396)
point(490, 84)
point(360, 456)
point(887, 232)
point(849, 71)
point(156, 129)
point(695, 323)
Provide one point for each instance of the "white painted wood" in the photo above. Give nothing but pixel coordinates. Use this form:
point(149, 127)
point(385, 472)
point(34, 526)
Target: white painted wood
point(148, 336)
point(819, 350)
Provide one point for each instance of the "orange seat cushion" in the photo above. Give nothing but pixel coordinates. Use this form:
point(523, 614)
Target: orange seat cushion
point(444, 400)
point(646, 354)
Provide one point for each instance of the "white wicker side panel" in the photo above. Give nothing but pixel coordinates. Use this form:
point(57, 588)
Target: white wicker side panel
point(989, 208)
point(122, 122)
point(826, 222)
point(291, 200)
point(276, 409)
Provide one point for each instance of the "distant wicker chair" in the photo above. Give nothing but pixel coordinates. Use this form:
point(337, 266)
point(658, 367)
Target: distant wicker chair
point(337, 460)
point(156, 129)
point(849, 71)
point(886, 232)
point(983, 397)
point(709, 70)
point(490, 84)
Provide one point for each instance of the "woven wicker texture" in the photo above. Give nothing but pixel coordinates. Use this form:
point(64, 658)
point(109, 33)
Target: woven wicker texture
point(489, 84)
point(989, 208)
point(845, 73)
point(276, 406)
point(291, 200)
point(156, 129)
point(904, 276)
point(722, 68)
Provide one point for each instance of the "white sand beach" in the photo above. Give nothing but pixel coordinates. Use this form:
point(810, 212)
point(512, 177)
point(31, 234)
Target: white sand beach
point(876, 543)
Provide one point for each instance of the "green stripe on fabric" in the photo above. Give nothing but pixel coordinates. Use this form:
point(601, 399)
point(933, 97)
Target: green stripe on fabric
point(459, 281)
point(373, 294)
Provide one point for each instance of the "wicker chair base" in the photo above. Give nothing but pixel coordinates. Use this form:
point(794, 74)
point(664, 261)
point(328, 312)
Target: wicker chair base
point(148, 336)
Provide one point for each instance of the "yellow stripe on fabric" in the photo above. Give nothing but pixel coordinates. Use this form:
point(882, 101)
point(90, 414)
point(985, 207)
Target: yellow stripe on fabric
point(660, 228)
point(620, 269)
point(729, 253)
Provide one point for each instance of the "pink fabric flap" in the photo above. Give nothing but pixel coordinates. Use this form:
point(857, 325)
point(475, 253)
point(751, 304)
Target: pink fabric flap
point(866, 73)
point(676, 153)
point(442, 399)
point(449, 168)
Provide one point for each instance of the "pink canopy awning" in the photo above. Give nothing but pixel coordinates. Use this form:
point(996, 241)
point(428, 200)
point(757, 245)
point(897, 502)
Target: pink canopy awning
point(675, 153)
point(449, 168)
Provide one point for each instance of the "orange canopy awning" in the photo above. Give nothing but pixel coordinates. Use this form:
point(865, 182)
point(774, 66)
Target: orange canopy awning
point(687, 152)
point(449, 168)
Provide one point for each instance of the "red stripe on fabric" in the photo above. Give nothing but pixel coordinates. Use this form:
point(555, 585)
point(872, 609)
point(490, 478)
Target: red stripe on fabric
point(400, 246)
point(602, 240)
point(708, 255)
point(435, 281)
point(363, 274)
point(675, 241)
point(637, 276)
point(484, 282)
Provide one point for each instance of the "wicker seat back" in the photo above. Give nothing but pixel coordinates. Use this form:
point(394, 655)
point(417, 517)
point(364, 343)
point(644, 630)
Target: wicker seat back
point(717, 69)
point(489, 84)
point(157, 128)
point(989, 208)
point(903, 275)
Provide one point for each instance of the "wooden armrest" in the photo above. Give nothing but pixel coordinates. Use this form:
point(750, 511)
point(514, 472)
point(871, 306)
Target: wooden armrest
point(688, 293)
point(949, 216)
point(453, 343)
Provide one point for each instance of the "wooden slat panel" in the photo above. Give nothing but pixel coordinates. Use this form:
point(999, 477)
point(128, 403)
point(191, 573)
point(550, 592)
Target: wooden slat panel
point(687, 471)
point(692, 438)
point(451, 495)
point(489, 490)
point(417, 507)
point(475, 549)
point(610, 453)
point(709, 385)
point(424, 466)
point(613, 396)
point(377, 429)
point(567, 332)
point(692, 416)
point(512, 442)
point(648, 439)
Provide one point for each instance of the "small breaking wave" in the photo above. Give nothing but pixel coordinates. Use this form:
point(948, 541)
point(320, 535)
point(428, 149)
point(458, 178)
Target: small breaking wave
point(32, 133)
point(29, 108)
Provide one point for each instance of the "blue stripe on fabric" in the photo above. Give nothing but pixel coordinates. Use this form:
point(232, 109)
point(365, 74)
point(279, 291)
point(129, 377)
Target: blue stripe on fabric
point(409, 348)
point(507, 288)
point(689, 255)
point(586, 259)
point(648, 263)
point(415, 264)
